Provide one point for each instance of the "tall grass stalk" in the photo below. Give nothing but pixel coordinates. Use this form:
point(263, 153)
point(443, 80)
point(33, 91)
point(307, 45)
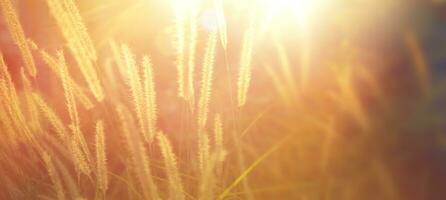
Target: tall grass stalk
point(54, 176)
point(18, 35)
point(101, 158)
point(78, 91)
point(139, 160)
point(81, 156)
point(244, 76)
point(149, 92)
point(205, 95)
point(176, 190)
point(180, 25)
point(192, 45)
point(79, 42)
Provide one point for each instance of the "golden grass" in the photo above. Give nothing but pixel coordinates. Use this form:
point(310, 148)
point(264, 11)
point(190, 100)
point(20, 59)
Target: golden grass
point(79, 148)
point(244, 74)
point(192, 45)
point(222, 24)
point(296, 137)
point(286, 69)
point(211, 167)
point(5, 121)
point(205, 96)
point(32, 110)
point(11, 101)
point(139, 161)
point(55, 121)
point(101, 158)
point(176, 190)
point(70, 22)
point(79, 159)
point(180, 25)
point(18, 35)
point(206, 80)
point(80, 95)
point(219, 149)
point(249, 169)
point(55, 178)
point(149, 93)
point(143, 93)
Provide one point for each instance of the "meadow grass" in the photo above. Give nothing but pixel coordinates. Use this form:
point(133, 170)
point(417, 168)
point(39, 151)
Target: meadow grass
point(115, 123)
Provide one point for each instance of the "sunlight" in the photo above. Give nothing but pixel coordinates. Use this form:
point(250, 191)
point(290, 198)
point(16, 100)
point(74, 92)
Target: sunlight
point(297, 6)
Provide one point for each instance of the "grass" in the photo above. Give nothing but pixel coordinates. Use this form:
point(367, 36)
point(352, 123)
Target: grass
point(261, 116)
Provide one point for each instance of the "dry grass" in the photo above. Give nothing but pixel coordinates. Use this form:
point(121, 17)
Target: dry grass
point(244, 76)
point(108, 121)
point(176, 190)
point(55, 178)
point(101, 158)
point(70, 22)
point(18, 35)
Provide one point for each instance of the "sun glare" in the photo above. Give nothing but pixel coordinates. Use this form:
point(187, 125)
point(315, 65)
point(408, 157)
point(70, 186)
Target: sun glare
point(300, 11)
point(298, 6)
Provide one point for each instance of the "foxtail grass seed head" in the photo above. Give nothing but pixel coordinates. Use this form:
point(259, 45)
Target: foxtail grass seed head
point(101, 158)
point(18, 35)
point(170, 164)
point(149, 93)
point(139, 160)
point(206, 80)
point(192, 48)
point(180, 26)
point(244, 77)
point(54, 176)
point(133, 79)
point(69, 20)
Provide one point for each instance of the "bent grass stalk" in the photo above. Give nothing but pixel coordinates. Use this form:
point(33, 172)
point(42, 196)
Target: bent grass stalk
point(136, 88)
point(33, 114)
point(222, 23)
point(206, 80)
point(205, 95)
point(79, 93)
point(18, 35)
point(193, 34)
point(180, 24)
point(244, 77)
point(54, 176)
point(138, 157)
point(12, 102)
point(79, 42)
point(170, 163)
point(68, 179)
point(286, 69)
point(251, 167)
point(219, 149)
point(81, 156)
point(5, 121)
point(55, 121)
point(101, 158)
point(149, 97)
